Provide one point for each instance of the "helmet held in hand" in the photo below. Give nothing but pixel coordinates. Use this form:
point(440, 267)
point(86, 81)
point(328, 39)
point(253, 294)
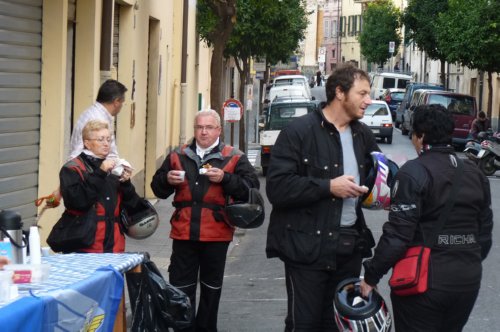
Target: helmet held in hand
point(358, 314)
point(379, 182)
point(140, 222)
point(247, 214)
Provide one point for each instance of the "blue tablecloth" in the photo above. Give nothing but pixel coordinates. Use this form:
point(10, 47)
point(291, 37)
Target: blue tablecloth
point(83, 291)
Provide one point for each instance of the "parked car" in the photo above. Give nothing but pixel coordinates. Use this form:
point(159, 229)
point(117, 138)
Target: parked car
point(293, 80)
point(407, 100)
point(378, 118)
point(393, 98)
point(387, 80)
point(463, 107)
point(297, 91)
point(277, 116)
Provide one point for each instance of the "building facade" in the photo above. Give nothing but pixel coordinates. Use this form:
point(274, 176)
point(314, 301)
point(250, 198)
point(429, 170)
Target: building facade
point(54, 55)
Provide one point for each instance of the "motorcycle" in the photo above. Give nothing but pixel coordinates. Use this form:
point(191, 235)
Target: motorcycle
point(489, 156)
point(473, 146)
point(472, 149)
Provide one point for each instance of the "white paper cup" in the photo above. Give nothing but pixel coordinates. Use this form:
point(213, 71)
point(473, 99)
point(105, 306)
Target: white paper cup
point(181, 174)
point(45, 251)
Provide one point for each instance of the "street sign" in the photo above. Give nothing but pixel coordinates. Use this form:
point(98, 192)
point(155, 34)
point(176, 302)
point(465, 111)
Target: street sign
point(232, 110)
point(392, 45)
point(322, 55)
point(259, 66)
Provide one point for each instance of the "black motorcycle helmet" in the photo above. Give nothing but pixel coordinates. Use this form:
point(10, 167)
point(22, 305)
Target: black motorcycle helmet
point(246, 214)
point(358, 314)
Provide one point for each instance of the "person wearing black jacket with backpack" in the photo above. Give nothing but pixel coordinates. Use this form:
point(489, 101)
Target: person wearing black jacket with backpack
point(418, 196)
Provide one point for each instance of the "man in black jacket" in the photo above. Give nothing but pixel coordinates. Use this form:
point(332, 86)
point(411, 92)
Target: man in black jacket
point(314, 182)
point(418, 197)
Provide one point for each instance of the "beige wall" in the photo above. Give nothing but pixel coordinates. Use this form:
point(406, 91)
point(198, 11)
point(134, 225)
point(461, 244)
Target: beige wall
point(149, 55)
point(349, 47)
point(52, 103)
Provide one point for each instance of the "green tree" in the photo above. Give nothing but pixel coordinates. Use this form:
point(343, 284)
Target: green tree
point(380, 26)
point(267, 29)
point(420, 20)
point(469, 33)
point(215, 23)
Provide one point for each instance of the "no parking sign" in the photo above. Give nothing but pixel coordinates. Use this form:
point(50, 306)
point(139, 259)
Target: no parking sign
point(232, 110)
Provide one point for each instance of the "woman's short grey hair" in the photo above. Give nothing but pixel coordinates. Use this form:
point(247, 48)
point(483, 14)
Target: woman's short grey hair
point(91, 126)
point(208, 112)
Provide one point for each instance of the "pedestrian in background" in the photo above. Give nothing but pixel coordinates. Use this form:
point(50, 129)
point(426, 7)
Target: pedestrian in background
point(201, 175)
point(315, 180)
point(109, 103)
point(418, 197)
point(319, 78)
point(480, 124)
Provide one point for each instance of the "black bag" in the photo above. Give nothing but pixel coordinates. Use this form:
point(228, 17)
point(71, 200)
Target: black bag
point(348, 237)
point(72, 232)
point(156, 304)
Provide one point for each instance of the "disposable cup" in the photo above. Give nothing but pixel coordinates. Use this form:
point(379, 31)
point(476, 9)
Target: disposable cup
point(182, 174)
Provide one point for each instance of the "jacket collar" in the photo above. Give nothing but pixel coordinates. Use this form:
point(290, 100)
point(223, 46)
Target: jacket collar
point(354, 124)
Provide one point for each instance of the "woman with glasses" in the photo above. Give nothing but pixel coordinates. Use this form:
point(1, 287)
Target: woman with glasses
point(87, 182)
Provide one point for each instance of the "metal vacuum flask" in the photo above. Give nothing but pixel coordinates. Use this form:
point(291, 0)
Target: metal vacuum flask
point(11, 227)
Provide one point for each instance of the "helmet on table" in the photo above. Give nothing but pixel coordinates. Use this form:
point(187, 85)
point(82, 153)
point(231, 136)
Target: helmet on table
point(140, 222)
point(379, 182)
point(357, 314)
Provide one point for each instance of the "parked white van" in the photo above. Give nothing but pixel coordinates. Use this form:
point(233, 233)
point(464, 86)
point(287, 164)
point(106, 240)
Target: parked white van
point(293, 80)
point(386, 80)
point(294, 91)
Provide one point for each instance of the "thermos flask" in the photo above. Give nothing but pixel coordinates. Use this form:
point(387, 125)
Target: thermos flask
point(11, 227)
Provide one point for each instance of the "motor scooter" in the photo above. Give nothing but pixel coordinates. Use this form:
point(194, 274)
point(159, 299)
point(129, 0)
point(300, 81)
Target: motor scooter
point(489, 156)
point(473, 146)
point(472, 149)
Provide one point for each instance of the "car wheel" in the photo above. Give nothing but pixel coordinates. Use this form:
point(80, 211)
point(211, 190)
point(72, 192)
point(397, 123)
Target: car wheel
point(403, 129)
point(388, 139)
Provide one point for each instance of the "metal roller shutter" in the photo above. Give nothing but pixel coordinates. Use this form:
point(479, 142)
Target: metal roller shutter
point(20, 70)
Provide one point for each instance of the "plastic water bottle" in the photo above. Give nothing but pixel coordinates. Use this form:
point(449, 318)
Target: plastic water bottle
point(35, 249)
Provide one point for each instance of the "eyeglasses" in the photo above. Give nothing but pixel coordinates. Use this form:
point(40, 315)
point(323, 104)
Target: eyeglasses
point(207, 128)
point(100, 139)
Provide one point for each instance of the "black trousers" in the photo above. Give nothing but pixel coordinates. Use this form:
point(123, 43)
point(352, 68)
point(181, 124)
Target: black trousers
point(433, 311)
point(311, 292)
point(208, 259)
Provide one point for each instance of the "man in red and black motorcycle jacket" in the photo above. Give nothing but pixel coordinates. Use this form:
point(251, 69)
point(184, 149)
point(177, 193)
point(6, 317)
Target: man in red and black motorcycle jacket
point(202, 174)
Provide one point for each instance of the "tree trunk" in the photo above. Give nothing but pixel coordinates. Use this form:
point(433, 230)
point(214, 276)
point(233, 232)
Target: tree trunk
point(226, 12)
point(490, 95)
point(443, 74)
point(244, 72)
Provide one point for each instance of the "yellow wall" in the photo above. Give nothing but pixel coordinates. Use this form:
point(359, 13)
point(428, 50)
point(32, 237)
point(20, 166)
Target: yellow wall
point(52, 103)
point(150, 46)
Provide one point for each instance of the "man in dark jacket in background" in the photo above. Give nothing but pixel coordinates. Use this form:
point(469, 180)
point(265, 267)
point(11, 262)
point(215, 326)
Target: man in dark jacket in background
point(418, 197)
point(315, 180)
